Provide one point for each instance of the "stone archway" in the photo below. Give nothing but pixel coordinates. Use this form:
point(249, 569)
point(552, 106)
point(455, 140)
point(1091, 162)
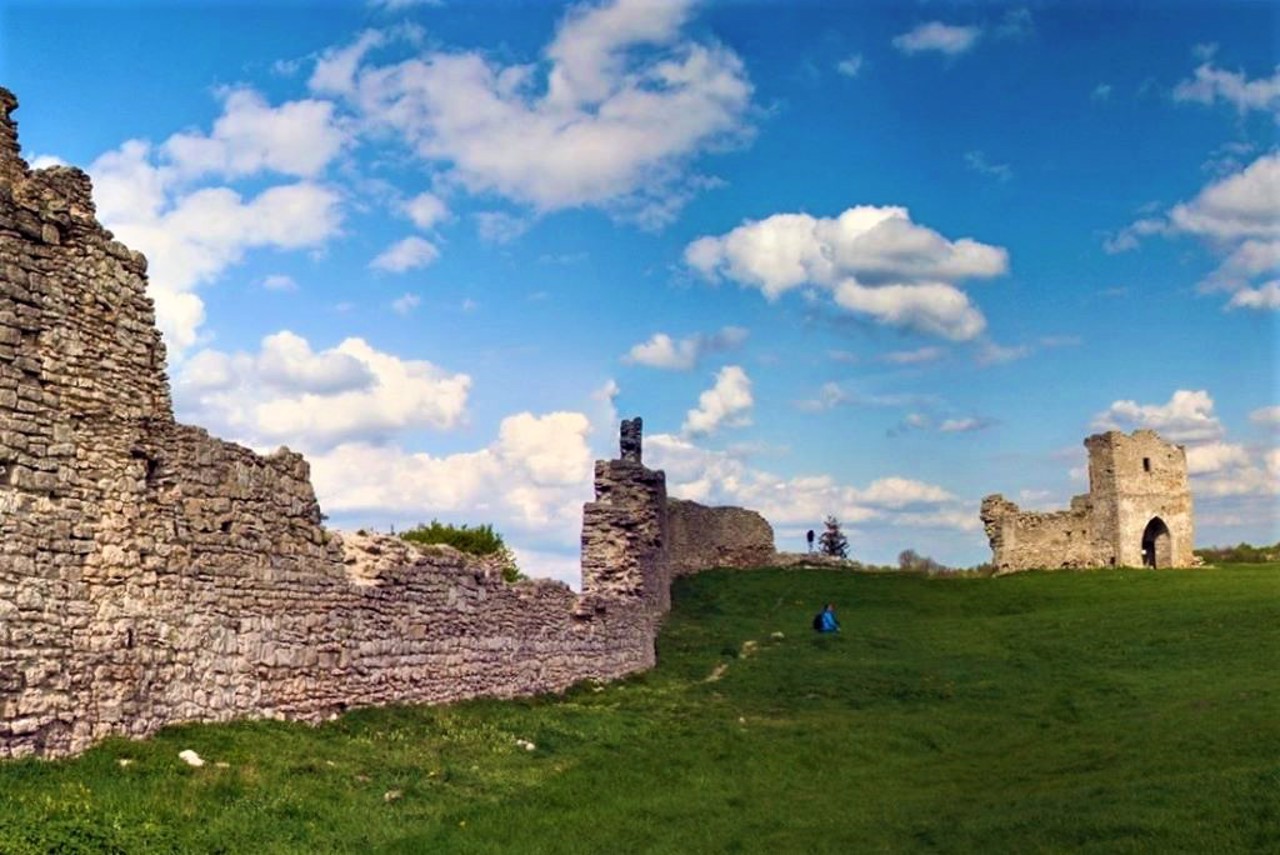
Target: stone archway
point(1157, 544)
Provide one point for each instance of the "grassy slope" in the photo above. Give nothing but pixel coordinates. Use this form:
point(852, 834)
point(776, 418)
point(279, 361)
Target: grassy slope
point(1116, 711)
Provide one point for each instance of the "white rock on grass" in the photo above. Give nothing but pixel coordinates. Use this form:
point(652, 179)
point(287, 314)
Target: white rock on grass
point(191, 758)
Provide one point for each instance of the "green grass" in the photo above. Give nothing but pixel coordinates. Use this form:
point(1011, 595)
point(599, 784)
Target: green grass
point(1106, 711)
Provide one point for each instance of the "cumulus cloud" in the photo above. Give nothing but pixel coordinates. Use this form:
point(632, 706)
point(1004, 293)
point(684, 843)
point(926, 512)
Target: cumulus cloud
point(1187, 417)
point(426, 210)
point(151, 197)
point(874, 260)
point(938, 37)
point(530, 482)
point(1238, 218)
point(629, 100)
point(723, 477)
point(297, 138)
point(662, 351)
point(406, 254)
point(287, 392)
point(726, 404)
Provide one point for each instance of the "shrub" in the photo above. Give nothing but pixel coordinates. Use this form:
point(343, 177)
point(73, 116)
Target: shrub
point(1242, 553)
point(833, 542)
point(480, 540)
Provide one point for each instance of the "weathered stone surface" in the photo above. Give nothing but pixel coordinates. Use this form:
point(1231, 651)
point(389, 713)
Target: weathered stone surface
point(153, 574)
point(1138, 512)
point(700, 537)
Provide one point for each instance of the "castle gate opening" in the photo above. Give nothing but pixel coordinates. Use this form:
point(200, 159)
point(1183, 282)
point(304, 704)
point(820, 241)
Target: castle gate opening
point(1157, 544)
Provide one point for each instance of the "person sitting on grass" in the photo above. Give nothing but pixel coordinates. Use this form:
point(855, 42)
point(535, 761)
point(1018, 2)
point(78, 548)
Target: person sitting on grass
point(825, 620)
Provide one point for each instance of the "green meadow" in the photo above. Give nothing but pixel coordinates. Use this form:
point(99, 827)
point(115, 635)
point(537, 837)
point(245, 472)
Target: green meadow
point(1104, 711)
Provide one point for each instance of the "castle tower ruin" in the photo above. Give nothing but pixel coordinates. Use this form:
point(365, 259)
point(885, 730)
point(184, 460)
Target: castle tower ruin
point(1137, 513)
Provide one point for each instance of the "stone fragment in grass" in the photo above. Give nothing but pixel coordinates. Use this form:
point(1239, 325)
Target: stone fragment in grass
point(191, 758)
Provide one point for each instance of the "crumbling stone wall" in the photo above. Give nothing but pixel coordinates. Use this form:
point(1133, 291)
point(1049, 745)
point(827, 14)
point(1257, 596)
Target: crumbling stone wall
point(1138, 512)
point(151, 574)
point(700, 537)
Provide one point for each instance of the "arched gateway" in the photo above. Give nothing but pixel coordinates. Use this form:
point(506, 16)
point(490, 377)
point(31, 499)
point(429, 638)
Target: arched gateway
point(1157, 544)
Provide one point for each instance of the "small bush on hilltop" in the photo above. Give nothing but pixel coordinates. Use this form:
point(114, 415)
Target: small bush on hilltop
point(481, 540)
point(833, 542)
point(1243, 553)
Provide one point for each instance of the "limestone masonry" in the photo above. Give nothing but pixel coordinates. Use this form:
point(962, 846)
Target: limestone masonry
point(1137, 513)
point(152, 574)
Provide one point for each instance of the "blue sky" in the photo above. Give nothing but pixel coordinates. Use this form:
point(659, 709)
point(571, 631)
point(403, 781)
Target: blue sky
point(874, 260)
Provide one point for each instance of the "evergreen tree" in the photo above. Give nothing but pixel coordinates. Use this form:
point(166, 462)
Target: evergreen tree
point(833, 542)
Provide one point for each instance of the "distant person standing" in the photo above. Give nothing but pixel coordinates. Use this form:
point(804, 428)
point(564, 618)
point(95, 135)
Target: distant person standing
point(809, 537)
point(825, 620)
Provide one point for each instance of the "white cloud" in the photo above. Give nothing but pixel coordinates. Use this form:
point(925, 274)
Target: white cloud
point(314, 400)
point(1101, 92)
point(1210, 84)
point(964, 425)
point(335, 71)
point(407, 254)
point(661, 351)
point(977, 161)
point(934, 308)
point(44, 161)
point(426, 210)
point(530, 482)
point(1238, 217)
point(1215, 457)
point(500, 227)
point(726, 404)
point(191, 237)
point(850, 66)
point(150, 197)
point(874, 260)
point(937, 36)
point(1243, 205)
point(405, 303)
point(629, 101)
point(1187, 417)
point(279, 282)
point(299, 138)
point(719, 477)
point(1266, 296)
point(913, 357)
point(990, 353)
point(1266, 416)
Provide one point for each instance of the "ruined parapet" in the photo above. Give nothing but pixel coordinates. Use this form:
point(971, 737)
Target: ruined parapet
point(1138, 512)
point(701, 537)
point(1023, 540)
point(631, 440)
point(624, 530)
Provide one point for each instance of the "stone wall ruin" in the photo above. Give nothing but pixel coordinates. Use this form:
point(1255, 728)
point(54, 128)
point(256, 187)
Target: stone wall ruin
point(152, 574)
point(1138, 512)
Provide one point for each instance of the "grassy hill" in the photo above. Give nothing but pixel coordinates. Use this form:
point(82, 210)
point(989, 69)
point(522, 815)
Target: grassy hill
point(1107, 711)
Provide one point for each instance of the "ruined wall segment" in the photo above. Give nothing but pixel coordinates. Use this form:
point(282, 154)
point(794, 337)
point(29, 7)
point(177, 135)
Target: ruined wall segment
point(152, 574)
point(1138, 512)
point(701, 537)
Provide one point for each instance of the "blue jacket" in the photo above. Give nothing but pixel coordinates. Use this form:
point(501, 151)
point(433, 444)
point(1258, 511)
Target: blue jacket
point(829, 622)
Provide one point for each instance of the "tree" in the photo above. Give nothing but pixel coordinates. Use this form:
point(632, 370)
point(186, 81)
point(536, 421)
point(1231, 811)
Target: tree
point(833, 542)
